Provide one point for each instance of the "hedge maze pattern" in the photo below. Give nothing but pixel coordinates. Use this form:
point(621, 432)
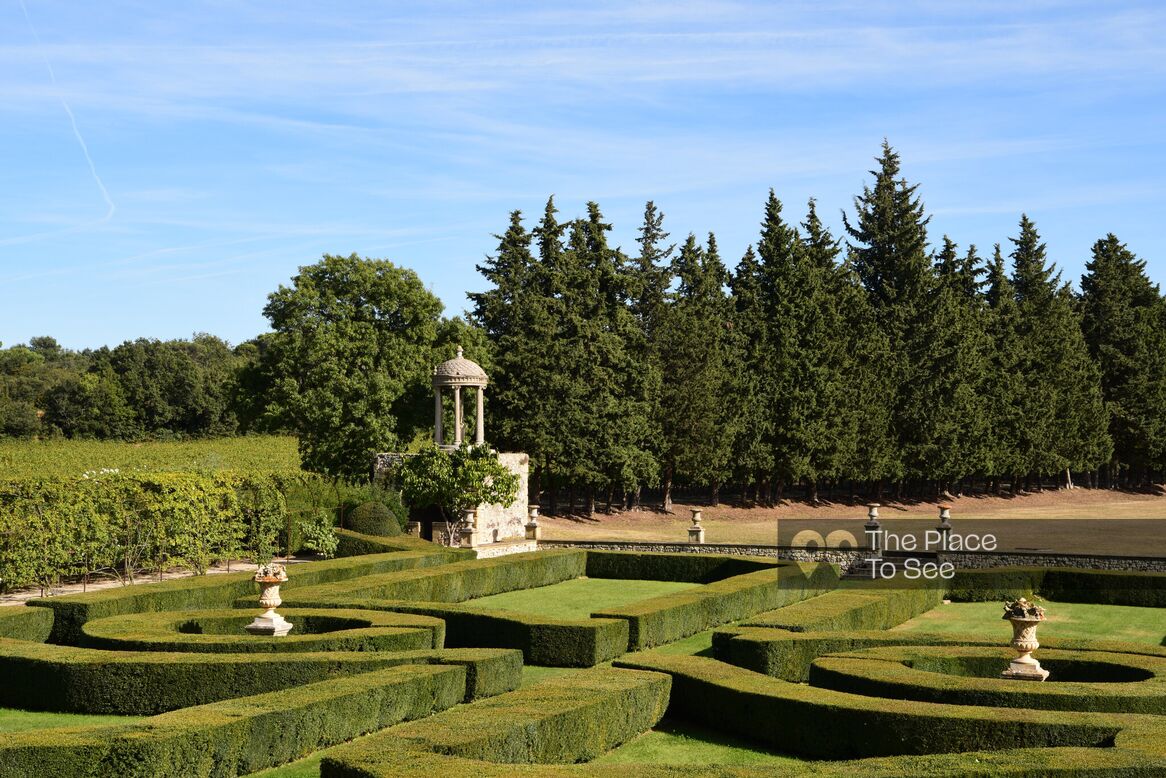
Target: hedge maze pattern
point(801, 662)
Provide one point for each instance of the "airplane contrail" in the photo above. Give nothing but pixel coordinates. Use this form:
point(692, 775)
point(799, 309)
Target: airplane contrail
point(111, 208)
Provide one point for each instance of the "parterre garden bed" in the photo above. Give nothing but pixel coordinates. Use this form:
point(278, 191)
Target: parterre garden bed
point(418, 661)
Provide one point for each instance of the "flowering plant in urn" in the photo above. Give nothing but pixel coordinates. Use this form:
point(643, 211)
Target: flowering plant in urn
point(1025, 616)
point(269, 577)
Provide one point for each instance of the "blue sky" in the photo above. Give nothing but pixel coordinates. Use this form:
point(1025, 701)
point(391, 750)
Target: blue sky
point(230, 143)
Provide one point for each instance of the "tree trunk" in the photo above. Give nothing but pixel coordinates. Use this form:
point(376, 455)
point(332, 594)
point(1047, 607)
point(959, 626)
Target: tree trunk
point(812, 490)
point(610, 497)
point(715, 497)
point(636, 498)
point(668, 488)
point(590, 507)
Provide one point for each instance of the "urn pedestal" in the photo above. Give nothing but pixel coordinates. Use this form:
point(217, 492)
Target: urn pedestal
point(269, 622)
point(1024, 667)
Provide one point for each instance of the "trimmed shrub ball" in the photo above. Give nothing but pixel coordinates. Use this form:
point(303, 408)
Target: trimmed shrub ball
point(374, 518)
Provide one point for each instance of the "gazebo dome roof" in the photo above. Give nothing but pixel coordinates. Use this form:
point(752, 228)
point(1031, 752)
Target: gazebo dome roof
point(459, 371)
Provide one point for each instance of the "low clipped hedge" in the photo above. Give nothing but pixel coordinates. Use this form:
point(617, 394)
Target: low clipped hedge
point(216, 591)
point(21, 623)
point(542, 640)
point(852, 609)
point(454, 582)
point(826, 724)
point(683, 568)
point(561, 720)
point(1063, 584)
point(238, 736)
point(80, 680)
point(221, 631)
point(788, 655)
point(971, 676)
point(660, 620)
point(1106, 587)
point(1016, 763)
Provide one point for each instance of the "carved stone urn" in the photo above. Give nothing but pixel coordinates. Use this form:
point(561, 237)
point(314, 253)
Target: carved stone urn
point(1025, 617)
point(269, 577)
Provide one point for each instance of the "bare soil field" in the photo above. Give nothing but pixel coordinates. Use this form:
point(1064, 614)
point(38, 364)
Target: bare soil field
point(1082, 521)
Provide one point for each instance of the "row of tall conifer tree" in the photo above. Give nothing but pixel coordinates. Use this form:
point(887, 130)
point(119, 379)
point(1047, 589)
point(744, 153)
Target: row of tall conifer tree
point(872, 363)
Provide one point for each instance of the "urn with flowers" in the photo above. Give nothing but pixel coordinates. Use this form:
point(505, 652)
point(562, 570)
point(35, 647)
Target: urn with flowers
point(269, 577)
point(1024, 616)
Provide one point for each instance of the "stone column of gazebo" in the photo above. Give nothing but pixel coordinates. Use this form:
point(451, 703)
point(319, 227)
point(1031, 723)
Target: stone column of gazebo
point(501, 524)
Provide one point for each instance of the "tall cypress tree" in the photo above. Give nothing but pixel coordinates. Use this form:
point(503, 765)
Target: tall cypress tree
point(650, 275)
point(1004, 385)
point(889, 255)
point(1065, 424)
point(749, 353)
point(694, 444)
point(783, 296)
point(1124, 322)
point(954, 377)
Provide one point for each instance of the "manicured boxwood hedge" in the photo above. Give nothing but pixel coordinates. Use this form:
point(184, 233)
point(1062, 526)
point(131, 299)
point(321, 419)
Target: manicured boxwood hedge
point(221, 631)
point(1062, 584)
point(23, 623)
point(931, 674)
point(823, 723)
point(684, 568)
point(238, 736)
point(454, 582)
point(660, 620)
point(351, 543)
point(1013, 763)
point(851, 609)
point(80, 680)
point(217, 591)
point(787, 655)
point(1107, 587)
point(567, 719)
point(542, 640)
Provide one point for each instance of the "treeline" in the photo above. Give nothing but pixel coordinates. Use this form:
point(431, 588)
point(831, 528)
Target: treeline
point(873, 362)
point(140, 389)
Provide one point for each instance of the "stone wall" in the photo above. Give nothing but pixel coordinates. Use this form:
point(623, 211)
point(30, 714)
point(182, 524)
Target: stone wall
point(501, 522)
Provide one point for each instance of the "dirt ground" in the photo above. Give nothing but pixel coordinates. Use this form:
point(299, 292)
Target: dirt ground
point(1070, 521)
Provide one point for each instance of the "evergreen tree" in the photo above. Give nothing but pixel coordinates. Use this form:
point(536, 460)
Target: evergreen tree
point(889, 255)
point(1124, 323)
point(830, 432)
point(1065, 427)
point(1004, 385)
point(512, 314)
point(955, 375)
point(749, 352)
point(650, 278)
point(694, 443)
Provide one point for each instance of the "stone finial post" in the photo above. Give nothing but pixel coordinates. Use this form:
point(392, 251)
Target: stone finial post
point(533, 530)
point(944, 526)
point(696, 532)
point(468, 532)
point(873, 529)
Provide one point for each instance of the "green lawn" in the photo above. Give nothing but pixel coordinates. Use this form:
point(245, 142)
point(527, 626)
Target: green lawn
point(579, 597)
point(12, 720)
point(1065, 620)
point(680, 743)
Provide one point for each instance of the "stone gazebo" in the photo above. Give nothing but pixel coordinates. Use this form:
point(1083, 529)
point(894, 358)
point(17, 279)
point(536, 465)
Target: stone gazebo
point(497, 529)
point(455, 374)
